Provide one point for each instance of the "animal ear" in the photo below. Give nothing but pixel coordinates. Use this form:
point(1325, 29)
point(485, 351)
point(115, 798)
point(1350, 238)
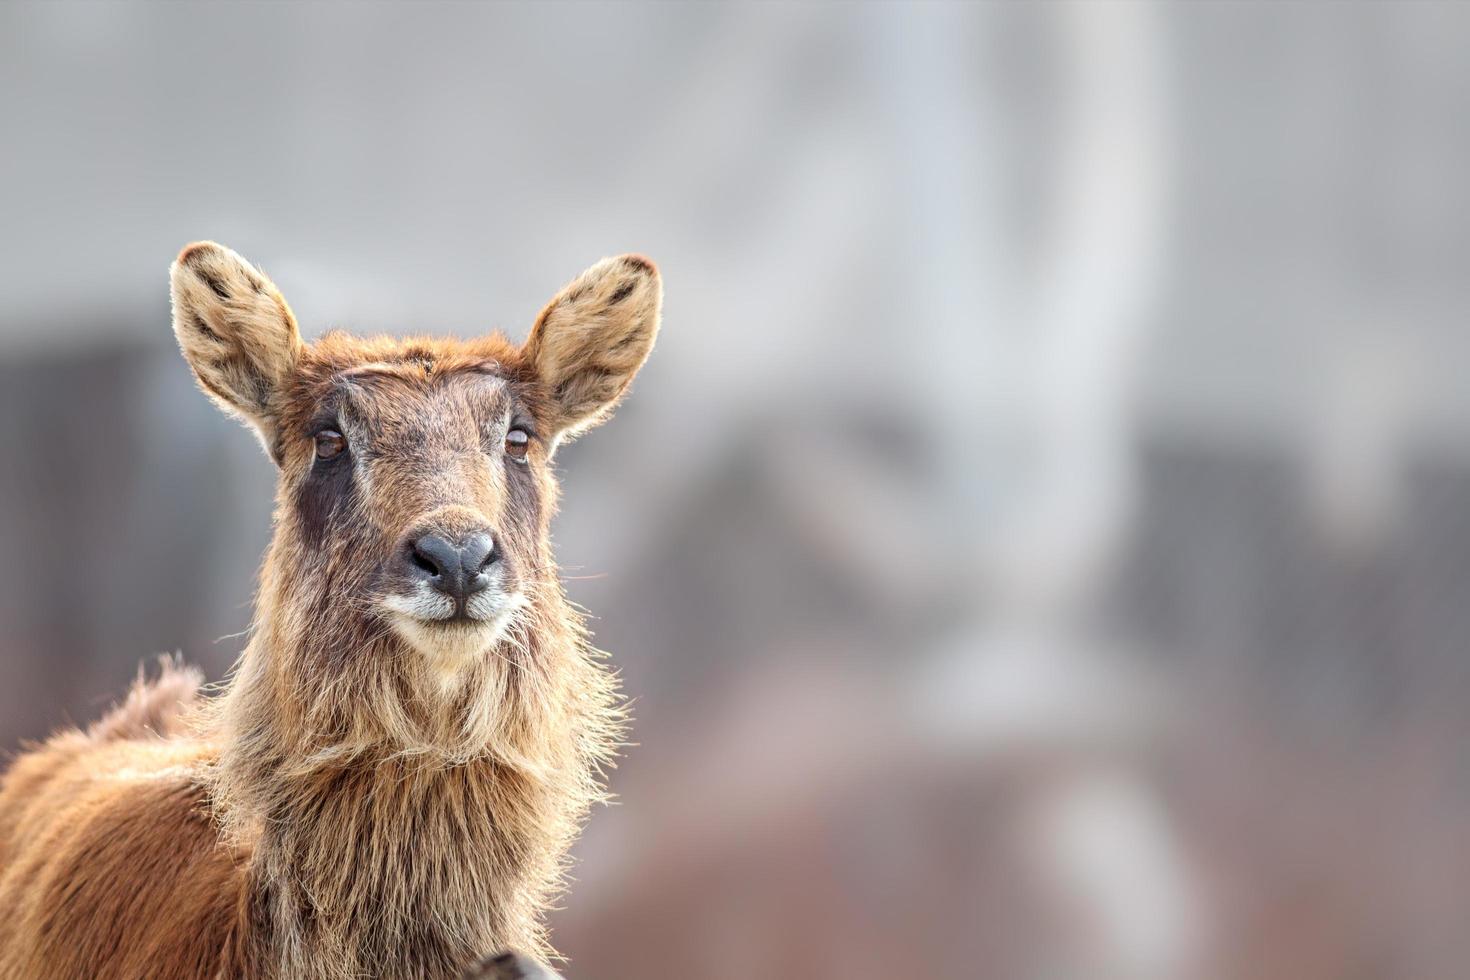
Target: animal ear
point(593, 337)
point(236, 332)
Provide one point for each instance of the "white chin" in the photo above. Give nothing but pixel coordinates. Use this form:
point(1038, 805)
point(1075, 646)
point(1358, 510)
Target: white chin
point(452, 643)
point(449, 640)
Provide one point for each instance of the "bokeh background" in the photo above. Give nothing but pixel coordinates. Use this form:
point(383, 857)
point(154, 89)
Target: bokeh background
point(1040, 544)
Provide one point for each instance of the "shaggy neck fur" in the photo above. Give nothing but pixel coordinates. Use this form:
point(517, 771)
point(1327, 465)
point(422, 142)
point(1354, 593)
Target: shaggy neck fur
point(402, 825)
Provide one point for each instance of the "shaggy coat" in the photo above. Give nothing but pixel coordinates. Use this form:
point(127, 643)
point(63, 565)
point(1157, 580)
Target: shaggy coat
point(389, 782)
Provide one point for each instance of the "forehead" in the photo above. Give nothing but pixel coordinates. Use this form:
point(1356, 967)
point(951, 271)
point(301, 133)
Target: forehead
point(404, 391)
point(386, 380)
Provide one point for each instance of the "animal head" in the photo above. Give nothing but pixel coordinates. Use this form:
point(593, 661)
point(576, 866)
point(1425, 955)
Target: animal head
point(411, 561)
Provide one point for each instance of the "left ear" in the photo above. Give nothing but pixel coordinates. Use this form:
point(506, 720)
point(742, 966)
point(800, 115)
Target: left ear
point(593, 337)
point(236, 332)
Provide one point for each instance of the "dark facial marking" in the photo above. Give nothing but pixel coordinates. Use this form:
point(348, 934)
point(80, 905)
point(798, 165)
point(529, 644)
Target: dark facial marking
point(522, 518)
point(328, 491)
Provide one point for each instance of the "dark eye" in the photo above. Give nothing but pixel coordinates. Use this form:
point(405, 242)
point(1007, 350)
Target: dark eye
point(330, 443)
point(517, 441)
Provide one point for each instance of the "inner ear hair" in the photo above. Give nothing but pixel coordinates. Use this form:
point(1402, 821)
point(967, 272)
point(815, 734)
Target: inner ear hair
point(591, 339)
point(235, 330)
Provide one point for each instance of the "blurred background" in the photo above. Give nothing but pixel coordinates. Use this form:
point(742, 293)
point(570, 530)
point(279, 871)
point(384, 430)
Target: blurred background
point(1038, 546)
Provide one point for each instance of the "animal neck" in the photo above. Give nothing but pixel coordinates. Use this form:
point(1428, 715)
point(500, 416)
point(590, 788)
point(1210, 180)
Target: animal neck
point(402, 826)
point(393, 868)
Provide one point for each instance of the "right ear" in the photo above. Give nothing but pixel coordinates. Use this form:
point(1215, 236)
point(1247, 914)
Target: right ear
point(592, 338)
point(236, 332)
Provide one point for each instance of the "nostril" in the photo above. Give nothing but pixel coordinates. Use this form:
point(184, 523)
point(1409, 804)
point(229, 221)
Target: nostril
point(435, 556)
point(477, 552)
point(423, 561)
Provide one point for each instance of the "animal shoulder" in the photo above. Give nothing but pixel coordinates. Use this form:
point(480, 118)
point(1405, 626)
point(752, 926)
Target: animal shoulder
point(111, 863)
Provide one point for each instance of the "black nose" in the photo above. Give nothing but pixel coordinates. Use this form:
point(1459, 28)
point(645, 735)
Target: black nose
point(456, 569)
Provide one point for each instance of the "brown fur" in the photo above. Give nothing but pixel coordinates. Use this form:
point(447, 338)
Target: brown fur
point(373, 795)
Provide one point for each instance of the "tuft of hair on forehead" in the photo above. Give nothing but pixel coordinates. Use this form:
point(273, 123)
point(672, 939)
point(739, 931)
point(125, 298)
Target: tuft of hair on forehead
point(339, 358)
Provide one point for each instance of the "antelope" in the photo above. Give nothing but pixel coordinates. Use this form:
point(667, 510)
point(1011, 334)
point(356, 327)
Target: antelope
point(389, 781)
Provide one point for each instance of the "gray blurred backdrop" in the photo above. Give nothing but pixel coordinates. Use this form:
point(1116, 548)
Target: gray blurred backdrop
point(1038, 545)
